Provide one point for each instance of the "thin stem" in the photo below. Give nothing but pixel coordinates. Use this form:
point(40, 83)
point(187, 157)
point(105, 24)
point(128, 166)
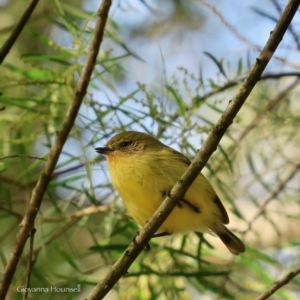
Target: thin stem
point(39, 191)
point(29, 264)
point(18, 29)
point(120, 268)
point(278, 284)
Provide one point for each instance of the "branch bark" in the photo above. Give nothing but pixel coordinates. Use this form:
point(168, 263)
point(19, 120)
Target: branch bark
point(277, 285)
point(17, 30)
point(37, 195)
point(120, 268)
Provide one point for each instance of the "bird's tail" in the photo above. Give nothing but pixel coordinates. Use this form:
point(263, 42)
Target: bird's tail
point(231, 241)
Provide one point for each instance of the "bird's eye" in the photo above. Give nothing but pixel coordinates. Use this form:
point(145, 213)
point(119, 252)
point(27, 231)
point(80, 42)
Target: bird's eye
point(125, 144)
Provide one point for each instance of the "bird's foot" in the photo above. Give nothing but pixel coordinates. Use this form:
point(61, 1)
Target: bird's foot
point(179, 204)
point(167, 194)
point(195, 208)
point(164, 233)
point(146, 247)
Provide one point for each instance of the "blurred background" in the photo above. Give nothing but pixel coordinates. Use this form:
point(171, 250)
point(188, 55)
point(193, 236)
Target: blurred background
point(168, 68)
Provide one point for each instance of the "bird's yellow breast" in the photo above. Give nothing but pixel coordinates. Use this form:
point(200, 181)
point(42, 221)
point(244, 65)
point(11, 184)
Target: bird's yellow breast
point(142, 180)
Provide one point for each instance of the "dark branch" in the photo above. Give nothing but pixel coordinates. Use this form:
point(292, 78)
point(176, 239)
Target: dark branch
point(278, 284)
point(38, 193)
point(120, 268)
point(30, 263)
point(18, 29)
point(231, 84)
point(23, 156)
point(291, 30)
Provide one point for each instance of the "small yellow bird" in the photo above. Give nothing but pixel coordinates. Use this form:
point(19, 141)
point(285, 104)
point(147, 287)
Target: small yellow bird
point(144, 170)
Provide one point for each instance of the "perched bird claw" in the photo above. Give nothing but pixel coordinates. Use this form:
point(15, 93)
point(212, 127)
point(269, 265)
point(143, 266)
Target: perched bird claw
point(134, 238)
point(164, 233)
point(166, 194)
point(146, 247)
point(195, 208)
point(179, 205)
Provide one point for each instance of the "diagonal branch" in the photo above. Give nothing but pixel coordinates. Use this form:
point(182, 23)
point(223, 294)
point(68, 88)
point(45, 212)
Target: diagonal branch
point(234, 83)
point(61, 137)
point(273, 196)
point(291, 29)
point(267, 108)
point(210, 145)
point(17, 30)
point(278, 284)
point(258, 117)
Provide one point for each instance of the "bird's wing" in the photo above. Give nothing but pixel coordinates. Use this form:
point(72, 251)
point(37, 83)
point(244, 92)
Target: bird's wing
point(178, 156)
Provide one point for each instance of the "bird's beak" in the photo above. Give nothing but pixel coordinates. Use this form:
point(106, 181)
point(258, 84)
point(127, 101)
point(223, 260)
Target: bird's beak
point(104, 150)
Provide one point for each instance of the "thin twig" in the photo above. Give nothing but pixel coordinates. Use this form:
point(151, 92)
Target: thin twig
point(18, 29)
point(231, 84)
point(11, 212)
point(278, 284)
point(273, 195)
point(279, 75)
point(29, 264)
point(61, 137)
point(24, 156)
point(254, 123)
point(74, 219)
point(225, 87)
point(8, 231)
point(228, 25)
point(55, 235)
point(291, 30)
point(239, 36)
point(120, 268)
point(258, 117)
point(79, 214)
point(75, 168)
point(33, 19)
point(278, 189)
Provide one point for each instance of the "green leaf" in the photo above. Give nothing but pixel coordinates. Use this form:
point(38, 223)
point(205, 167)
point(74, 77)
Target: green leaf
point(177, 99)
point(217, 62)
point(240, 67)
